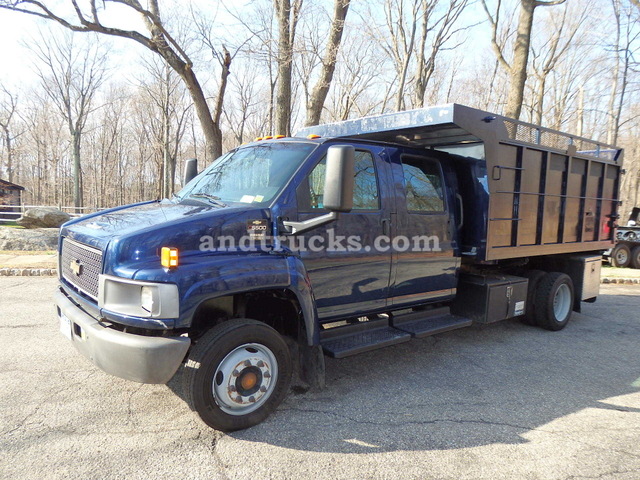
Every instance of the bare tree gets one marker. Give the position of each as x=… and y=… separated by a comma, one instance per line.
x=245, y=97
x=321, y=88
x=518, y=67
x=625, y=44
x=45, y=169
x=401, y=22
x=436, y=30
x=287, y=16
x=262, y=49
x=70, y=76
x=166, y=94
x=158, y=40
x=357, y=75
x=564, y=30
x=8, y=105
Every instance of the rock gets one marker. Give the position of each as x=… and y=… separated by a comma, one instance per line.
x=37, y=239
x=43, y=218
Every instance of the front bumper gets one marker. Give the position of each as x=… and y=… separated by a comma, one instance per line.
x=133, y=357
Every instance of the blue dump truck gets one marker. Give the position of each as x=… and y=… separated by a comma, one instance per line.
x=346, y=238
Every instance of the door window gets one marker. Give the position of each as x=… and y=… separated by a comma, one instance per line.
x=422, y=185
x=365, y=189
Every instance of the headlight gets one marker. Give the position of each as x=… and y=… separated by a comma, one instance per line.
x=137, y=298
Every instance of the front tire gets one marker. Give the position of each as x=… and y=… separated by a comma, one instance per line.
x=621, y=256
x=237, y=374
x=554, y=301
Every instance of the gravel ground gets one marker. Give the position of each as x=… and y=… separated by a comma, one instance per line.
x=499, y=401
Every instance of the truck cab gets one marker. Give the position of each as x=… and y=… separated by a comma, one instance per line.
x=347, y=238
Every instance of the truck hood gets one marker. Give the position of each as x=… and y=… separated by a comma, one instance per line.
x=97, y=229
x=132, y=234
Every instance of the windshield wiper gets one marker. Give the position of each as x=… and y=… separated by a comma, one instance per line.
x=212, y=198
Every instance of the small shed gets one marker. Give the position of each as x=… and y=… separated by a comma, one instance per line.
x=10, y=197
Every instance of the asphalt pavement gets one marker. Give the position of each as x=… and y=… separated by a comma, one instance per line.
x=487, y=402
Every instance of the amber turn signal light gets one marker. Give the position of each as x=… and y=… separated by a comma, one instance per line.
x=169, y=257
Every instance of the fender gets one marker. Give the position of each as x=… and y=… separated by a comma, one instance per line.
x=201, y=278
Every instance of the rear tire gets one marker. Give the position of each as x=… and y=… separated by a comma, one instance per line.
x=534, y=276
x=621, y=256
x=635, y=257
x=237, y=374
x=554, y=301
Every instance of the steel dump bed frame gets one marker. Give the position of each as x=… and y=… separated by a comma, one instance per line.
x=549, y=192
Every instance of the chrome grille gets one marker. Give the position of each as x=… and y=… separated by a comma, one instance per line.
x=80, y=266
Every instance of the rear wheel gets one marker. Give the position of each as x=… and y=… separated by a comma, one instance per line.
x=554, y=301
x=237, y=374
x=534, y=277
x=635, y=257
x=621, y=256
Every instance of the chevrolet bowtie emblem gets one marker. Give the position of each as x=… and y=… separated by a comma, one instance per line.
x=76, y=267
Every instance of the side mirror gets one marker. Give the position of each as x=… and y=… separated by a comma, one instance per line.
x=338, y=189
x=190, y=170
x=338, y=183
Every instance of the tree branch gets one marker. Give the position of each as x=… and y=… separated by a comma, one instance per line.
x=494, y=34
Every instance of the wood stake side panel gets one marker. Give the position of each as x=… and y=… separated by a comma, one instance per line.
x=545, y=202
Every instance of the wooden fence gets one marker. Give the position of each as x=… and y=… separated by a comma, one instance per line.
x=10, y=214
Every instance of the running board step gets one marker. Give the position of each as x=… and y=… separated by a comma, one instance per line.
x=422, y=324
x=339, y=342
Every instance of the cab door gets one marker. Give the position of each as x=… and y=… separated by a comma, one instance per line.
x=348, y=275
x=425, y=264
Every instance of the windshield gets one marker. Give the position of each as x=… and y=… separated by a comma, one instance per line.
x=248, y=175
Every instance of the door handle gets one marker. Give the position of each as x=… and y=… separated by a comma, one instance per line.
x=386, y=226
x=459, y=197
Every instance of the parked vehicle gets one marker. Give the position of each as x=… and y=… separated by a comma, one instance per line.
x=349, y=237
x=626, y=253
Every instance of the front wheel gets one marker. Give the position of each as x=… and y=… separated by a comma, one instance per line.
x=621, y=256
x=237, y=374
x=554, y=301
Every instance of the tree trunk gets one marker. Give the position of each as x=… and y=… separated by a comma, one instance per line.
x=7, y=140
x=76, y=138
x=210, y=130
x=285, y=53
x=518, y=74
x=421, y=84
x=321, y=89
x=217, y=113
x=168, y=163
x=580, y=127
x=539, y=107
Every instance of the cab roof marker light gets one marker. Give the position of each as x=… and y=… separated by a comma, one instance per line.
x=169, y=257
x=268, y=137
x=279, y=136
x=257, y=139
x=313, y=136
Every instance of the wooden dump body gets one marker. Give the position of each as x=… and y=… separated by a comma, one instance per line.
x=548, y=192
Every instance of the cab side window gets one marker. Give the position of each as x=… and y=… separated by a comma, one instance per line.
x=422, y=185
x=365, y=190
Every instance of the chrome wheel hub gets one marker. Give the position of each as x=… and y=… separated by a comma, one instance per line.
x=245, y=379
x=562, y=302
x=621, y=257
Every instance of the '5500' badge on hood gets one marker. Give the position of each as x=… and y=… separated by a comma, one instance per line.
x=257, y=229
